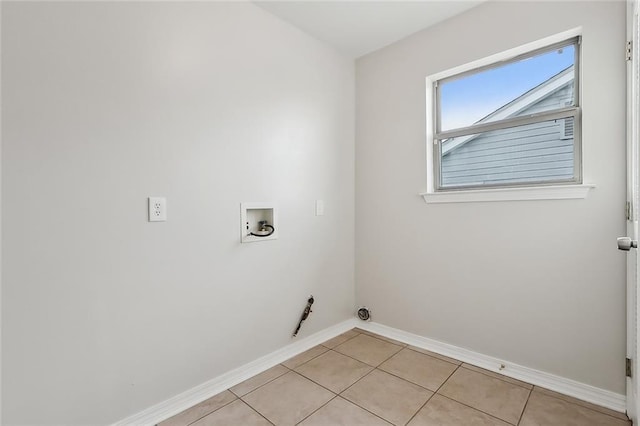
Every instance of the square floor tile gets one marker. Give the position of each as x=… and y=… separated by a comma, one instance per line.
x=334, y=371
x=418, y=368
x=442, y=411
x=368, y=349
x=546, y=410
x=200, y=410
x=493, y=396
x=338, y=340
x=236, y=413
x=387, y=396
x=305, y=356
x=259, y=380
x=340, y=412
x=288, y=399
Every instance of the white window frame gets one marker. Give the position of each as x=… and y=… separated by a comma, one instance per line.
x=526, y=191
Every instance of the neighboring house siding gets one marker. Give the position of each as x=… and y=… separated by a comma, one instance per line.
x=556, y=99
x=541, y=150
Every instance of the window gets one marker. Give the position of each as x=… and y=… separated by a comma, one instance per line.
x=509, y=123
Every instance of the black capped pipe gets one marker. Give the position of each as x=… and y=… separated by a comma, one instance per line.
x=305, y=315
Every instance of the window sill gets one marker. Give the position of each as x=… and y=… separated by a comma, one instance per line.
x=555, y=192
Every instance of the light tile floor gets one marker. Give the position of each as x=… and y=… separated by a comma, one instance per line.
x=359, y=378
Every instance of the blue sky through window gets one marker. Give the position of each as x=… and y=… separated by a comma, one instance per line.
x=466, y=100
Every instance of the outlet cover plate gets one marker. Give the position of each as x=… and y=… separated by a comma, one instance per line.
x=157, y=209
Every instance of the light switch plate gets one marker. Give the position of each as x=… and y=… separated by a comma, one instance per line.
x=157, y=209
x=319, y=208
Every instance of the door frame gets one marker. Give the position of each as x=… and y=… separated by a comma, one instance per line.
x=633, y=196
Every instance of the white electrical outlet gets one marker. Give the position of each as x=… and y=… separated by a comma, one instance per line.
x=157, y=209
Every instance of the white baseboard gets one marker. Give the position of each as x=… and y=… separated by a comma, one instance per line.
x=191, y=397
x=559, y=384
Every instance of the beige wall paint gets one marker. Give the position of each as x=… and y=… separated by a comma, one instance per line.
x=538, y=283
x=208, y=104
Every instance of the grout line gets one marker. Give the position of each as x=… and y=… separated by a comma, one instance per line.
x=374, y=366
x=525, y=407
x=341, y=392
x=368, y=411
x=304, y=377
x=264, y=384
x=447, y=379
x=354, y=383
x=421, y=407
x=385, y=339
x=407, y=380
x=372, y=370
x=259, y=413
x=469, y=406
x=309, y=360
x=458, y=363
x=418, y=384
x=434, y=393
x=313, y=381
x=317, y=409
x=211, y=412
x=349, y=356
x=358, y=405
x=476, y=409
x=499, y=374
x=342, y=343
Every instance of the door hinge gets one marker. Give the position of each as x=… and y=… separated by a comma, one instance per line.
x=627, y=365
x=629, y=50
x=629, y=210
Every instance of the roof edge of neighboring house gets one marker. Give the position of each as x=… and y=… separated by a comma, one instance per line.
x=517, y=105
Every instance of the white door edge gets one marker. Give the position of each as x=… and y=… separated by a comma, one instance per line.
x=633, y=107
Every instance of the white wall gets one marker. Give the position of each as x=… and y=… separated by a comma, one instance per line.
x=210, y=105
x=538, y=283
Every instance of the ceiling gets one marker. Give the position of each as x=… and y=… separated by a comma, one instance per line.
x=359, y=27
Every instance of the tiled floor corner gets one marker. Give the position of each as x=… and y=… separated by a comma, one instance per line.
x=359, y=378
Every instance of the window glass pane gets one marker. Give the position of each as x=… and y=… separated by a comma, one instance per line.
x=540, y=83
x=536, y=152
